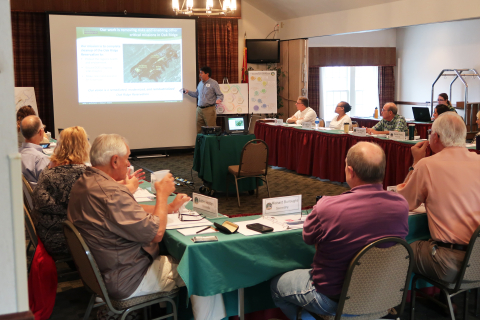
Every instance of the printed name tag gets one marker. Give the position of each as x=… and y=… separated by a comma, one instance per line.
x=395, y=135
x=282, y=205
x=207, y=85
x=361, y=132
x=306, y=125
x=204, y=203
x=278, y=122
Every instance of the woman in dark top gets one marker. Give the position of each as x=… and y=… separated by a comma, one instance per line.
x=439, y=109
x=443, y=99
x=52, y=193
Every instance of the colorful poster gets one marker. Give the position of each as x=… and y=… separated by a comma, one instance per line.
x=235, y=97
x=262, y=91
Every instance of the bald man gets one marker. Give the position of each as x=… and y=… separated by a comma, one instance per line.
x=33, y=158
x=339, y=227
x=391, y=121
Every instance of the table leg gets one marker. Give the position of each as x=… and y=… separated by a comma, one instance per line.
x=241, y=304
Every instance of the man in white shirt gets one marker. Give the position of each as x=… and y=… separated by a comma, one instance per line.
x=304, y=113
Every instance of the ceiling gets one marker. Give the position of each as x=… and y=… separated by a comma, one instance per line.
x=289, y=9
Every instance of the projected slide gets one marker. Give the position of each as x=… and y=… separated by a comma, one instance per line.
x=129, y=65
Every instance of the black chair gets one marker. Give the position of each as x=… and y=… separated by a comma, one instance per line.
x=253, y=164
x=468, y=278
x=377, y=280
x=93, y=281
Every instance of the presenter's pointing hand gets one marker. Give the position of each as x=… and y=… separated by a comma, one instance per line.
x=419, y=151
x=218, y=101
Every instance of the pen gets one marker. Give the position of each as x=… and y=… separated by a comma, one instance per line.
x=203, y=229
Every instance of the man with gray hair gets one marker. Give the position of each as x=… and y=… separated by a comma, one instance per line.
x=123, y=235
x=339, y=227
x=33, y=158
x=447, y=183
x=391, y=121
x=304, y=113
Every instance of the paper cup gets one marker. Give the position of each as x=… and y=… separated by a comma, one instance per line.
x=157, y=176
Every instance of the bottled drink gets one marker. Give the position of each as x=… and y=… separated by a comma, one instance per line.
x=317, y=123
x=375, y=114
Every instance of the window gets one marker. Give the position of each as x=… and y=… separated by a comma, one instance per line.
x=356, y=85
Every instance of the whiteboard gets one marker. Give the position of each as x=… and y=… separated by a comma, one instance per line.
x=235, y=98
x=262, y=89
x=25, y=96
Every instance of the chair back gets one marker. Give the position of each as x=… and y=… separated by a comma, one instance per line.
x=27, y=193
x=469, y=275
x=322, y=123
x=254, y=158
x=253, y=121
x=32, y=233
x=85, y=262
x=377, y=279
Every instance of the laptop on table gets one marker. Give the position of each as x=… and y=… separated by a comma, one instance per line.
x=421, y=114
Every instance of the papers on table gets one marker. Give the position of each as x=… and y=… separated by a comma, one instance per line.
x=185, y=220
x=193, y=231
x=278, y=223
x=420, y=209
x=468, y=145
x=142, y=195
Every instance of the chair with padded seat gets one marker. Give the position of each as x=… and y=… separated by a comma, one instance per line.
x=377, y=280
x=468, y=278
x=93, y=281
x=253, y=164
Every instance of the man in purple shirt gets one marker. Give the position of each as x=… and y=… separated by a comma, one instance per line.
x=339, y=227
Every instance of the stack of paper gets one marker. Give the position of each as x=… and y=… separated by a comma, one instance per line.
x=142, y=195
x=194, y=220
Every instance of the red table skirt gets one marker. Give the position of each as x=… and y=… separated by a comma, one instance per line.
x=322, y=154
x=421, y=127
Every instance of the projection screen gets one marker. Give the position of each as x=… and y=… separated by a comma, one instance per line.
x=124, y=75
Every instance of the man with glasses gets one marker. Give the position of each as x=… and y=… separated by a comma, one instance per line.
x=304, y=113
x=33, y=158
x=391, y=121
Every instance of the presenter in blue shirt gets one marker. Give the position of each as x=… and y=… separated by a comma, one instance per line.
x=208, y=94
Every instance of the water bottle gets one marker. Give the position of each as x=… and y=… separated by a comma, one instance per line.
x=317, y=122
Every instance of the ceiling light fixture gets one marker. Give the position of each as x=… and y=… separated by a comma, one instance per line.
x=226, y=6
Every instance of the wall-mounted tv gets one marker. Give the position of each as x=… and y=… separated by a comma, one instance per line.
x=263, y=50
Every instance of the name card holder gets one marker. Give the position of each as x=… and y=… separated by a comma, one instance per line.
x=278, y=122
x=282, y=205
x=207, y=206
x=307, y=125
x=398, y=136
x=361, y=132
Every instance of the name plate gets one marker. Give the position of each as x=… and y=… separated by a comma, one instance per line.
x=361, y=132
x=307, y=125
x=282, y=205
x=395, y=135
x=278, y=122
x=204, y=203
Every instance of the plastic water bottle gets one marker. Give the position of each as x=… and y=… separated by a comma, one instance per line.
x=317, y=123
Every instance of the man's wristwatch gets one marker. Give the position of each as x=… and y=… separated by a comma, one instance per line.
x=410, y=169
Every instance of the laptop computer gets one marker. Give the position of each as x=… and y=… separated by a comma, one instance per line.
x=421, y=114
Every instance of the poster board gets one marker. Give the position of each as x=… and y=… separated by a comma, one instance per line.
x=235, y=98
x=262, y=89
x=25, y=96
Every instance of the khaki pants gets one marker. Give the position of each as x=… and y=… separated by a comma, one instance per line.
x=206, y=117
x=444, y=265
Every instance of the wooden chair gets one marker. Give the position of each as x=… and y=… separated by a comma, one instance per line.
x=468, y=278
x=377, y=280
x=253, y=163
x=93, y=281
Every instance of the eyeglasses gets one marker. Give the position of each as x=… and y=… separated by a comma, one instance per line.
x=190, y=216
x=298, y=103
x=440, y=100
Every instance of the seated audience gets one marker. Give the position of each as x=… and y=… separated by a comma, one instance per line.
x=443, y=99
x=304, y=113
x=391, y=121
x=477, y=136
x=33, y=158
x=52, y=193
x=448, y=185
x=23, y=112
x=339, y=227
x=123, y=235
x=338, y=122
x=439, y=109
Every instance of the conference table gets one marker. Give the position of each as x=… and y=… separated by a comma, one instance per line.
x=368, y=122
x=322, y=153
x=241, y=267
x=212, y=156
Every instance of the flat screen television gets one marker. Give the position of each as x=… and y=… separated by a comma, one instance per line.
x=263, y=50
x=236, y=124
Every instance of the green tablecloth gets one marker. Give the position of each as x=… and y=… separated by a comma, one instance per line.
x=212, y=157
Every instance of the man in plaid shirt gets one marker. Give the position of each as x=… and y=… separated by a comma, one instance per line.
x=391, y=121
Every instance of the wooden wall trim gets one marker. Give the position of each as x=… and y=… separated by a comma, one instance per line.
x=352, y=56
x=154, y=7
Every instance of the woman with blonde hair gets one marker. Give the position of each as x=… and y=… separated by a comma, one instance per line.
x=52, y=193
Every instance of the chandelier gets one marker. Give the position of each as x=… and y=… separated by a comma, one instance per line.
x=227, y=6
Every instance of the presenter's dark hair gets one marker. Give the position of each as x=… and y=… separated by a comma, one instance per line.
x=365, y=169
x=441, y=108
x=445, y=97
x=206, y=69
x=303, y=100
x=346, y=106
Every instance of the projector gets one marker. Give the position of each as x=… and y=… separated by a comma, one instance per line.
x=211, y=130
